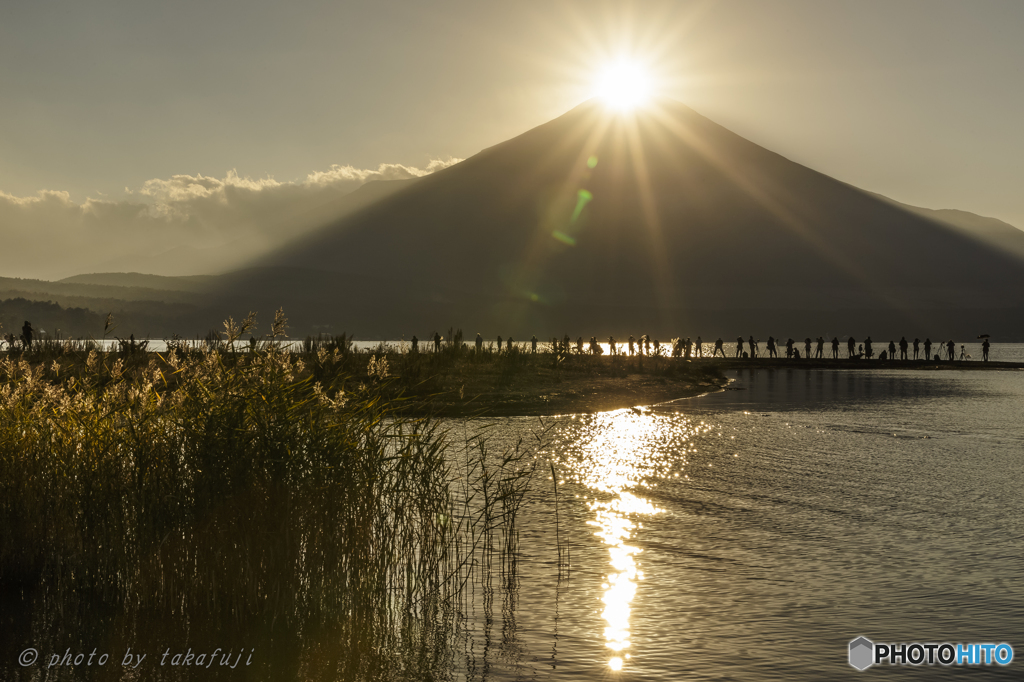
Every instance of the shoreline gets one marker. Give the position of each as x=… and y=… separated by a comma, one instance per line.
x=846, y=363
x=590, y=394
x=583, y=395
x=460, y=383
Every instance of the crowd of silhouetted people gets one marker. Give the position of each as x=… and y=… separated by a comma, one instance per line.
x=864, y=350
x=686, y=349
x=25, y=340
x=750, y=348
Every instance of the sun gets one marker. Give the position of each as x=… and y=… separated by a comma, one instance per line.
x=624, y=85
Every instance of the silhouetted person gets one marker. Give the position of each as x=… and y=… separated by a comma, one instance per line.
x=820, y=348
x=903, y=348
x=892, y=350
x=698, y=349
x=718, y=348
x=807, y=348
x=951, y=350
x=796, y=353
x=867, y=348
x=752, y=345
x=687, y=348
x=739, y=346
x=772, y=353
x=917, y=347
x=579, y=345
x=26, y=335
x=437, y=342
x=508, y=344
x=612, y=350
x=565, y=344
x=647, y=344
x=657, y=346
x=927, y=349
x=415, y=344
x=533, y=344
x=631, y=340
x=984, y=350
x=789, y=349
x=835, y=347
x=851, y=346
x=499, y=344
x=479, y=343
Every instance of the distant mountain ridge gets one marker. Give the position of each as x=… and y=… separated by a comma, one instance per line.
x=138, y=280
x=992, y=231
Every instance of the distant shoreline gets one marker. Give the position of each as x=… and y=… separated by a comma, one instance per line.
x=588, y=394
x=726, y=364
x=572, y=395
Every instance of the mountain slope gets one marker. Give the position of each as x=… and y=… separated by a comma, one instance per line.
x=991, y=231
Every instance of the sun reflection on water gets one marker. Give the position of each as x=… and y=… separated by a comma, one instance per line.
x=616, y=527
x=618, y=455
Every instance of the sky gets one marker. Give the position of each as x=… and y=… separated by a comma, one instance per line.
x=152, y=110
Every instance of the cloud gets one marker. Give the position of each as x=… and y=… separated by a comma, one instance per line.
x=179, y=225
x=386, y=171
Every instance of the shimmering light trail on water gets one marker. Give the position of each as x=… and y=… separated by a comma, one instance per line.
x=617, y=456
x=616, y=527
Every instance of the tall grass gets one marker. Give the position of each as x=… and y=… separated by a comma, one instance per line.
x=244, y=483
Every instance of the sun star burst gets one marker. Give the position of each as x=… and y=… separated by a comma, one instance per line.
x=624, y=85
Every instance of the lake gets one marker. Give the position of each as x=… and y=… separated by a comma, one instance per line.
x=752, y=533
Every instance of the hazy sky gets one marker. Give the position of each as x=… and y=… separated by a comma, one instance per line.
x=918, y=100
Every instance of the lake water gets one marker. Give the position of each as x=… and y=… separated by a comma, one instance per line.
x=752, y=533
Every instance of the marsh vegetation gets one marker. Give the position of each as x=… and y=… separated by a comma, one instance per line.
x=460, y=380
x=241, y=495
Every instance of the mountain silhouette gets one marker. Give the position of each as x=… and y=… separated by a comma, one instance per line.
x=659, y=222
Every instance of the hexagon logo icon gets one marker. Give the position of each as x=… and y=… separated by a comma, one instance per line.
x=862, y=652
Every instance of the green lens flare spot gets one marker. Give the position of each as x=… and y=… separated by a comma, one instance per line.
x=564, y=238
x=591, y=162
x=583, y=198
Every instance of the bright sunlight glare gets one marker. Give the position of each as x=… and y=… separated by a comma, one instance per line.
x=624, y=85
